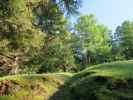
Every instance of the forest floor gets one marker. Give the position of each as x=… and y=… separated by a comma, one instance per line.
x=109, y=81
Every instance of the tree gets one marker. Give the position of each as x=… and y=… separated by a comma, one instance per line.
x=124, y=39
x=21, y=39
x=95, y=39
x=70, y=6
x=31, y=30
x=57, y=53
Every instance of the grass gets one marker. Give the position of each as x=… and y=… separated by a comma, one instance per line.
x=109, y=81
x=121, y=70
x=33, y=87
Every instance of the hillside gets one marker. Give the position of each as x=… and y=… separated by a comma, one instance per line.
x=31, y=87
x=110, y=81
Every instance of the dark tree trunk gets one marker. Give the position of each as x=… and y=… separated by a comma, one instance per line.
x=64, y=68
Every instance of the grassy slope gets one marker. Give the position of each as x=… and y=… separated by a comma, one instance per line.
x=121, y=70
x=112, y=81
x=32, y=87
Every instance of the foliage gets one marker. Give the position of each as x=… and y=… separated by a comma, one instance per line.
x=34, y=37
x=71, y=6
x=57, y=53
x=95, y=39
x=124, y=39
x=21, y=40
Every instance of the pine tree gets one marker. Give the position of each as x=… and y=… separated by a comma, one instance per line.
x=21, y=38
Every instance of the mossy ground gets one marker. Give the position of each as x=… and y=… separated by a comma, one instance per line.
x=31, y=87
x=110, y=81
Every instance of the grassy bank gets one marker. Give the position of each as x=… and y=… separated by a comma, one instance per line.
x=110, y=81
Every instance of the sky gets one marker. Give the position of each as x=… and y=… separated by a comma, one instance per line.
x=109, y=12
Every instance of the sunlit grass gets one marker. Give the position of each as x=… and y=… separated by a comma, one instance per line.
x=120, y=69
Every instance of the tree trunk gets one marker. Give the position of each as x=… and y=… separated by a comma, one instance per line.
x=64, y=68
x=15, y=66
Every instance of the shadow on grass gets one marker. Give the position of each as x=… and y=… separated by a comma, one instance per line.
x=66, y=91
x=85, y=86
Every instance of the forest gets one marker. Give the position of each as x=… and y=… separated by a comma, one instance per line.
x=45, y=55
